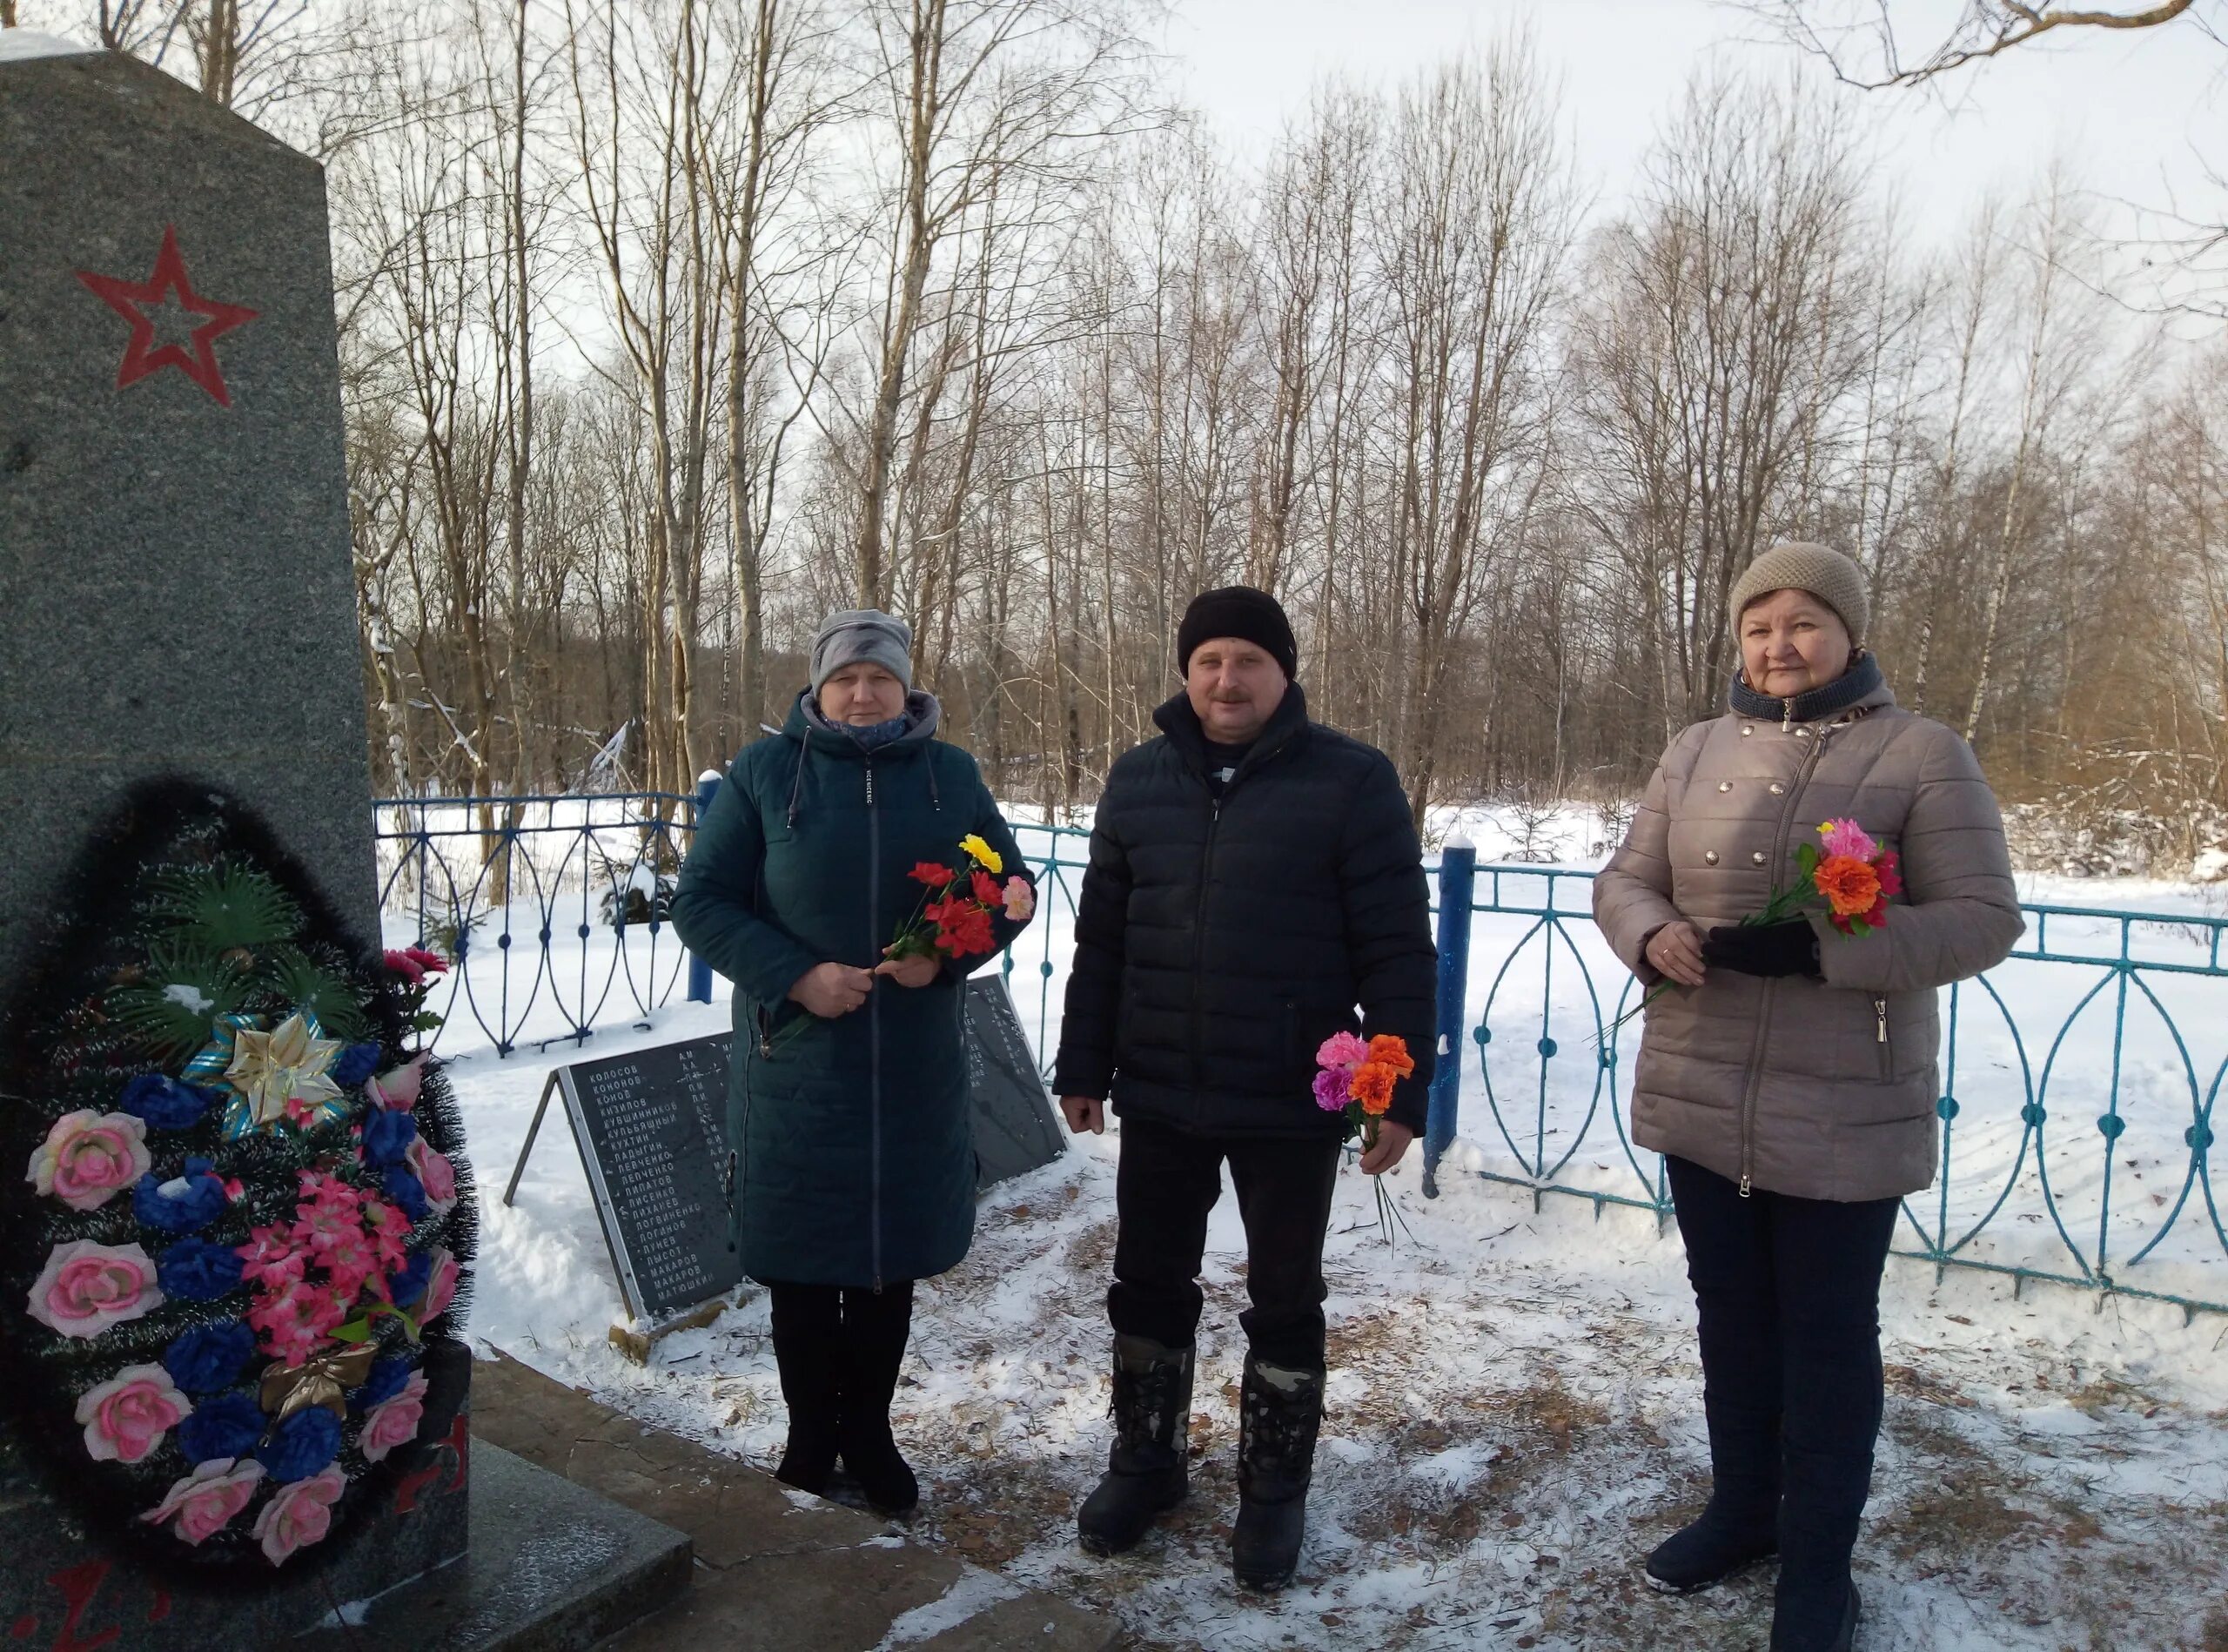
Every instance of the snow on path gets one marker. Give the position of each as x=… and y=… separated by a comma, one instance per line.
x=1514, y=1416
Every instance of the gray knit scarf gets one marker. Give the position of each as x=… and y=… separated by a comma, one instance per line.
x=1844, y=691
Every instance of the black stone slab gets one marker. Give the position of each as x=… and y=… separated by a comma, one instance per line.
x=61, y=1591
x=554, y=1568
x=1015, y=1129
x=649, y=1127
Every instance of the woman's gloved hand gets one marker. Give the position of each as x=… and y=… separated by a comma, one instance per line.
x=1768, y=949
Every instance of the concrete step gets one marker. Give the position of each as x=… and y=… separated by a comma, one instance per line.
x=774, y=1569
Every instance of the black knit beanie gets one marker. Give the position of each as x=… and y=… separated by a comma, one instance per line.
x=1238, y=611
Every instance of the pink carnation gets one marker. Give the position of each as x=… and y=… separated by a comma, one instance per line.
x=397, y=1092
x=89, y=1158
x=84, y=1287
x=434, y=1174
x=1330, y=1090
x=440, y=1287
x=1020, y=898
x=294, y=1321
x=1847, y=837
x=1341, y=1051
x=206, y=1500
x=127, y=1416
x=271, y=1257
x=394, y=1422
x=298, y=1513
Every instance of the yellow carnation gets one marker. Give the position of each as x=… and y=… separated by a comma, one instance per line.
x=982, y=854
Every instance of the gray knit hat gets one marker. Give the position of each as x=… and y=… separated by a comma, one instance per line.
x=1820, y=569
x=852, y=635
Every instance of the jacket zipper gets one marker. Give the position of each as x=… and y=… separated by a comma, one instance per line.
x=874, y=1021
x=1886, y=1050
x=1764, y=1012
x=1200, y=940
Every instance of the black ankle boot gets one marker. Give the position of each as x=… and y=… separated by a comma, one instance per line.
x=875, y=1327
x=1280, y=1412
x=1145, y=1473
x=808, y=1329
x=1740, y=1526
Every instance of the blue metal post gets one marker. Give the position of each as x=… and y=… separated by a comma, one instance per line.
x=1458, y=877
x=700, y=973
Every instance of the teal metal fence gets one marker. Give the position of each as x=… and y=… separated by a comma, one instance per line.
x=2081, y=1077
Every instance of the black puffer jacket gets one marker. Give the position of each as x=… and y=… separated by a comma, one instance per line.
x=1219, y=943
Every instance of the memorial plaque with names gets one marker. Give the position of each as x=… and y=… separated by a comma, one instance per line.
x=1015, y=1127
x=648, y=1127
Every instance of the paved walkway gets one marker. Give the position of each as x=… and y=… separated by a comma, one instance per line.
x=775, y=1570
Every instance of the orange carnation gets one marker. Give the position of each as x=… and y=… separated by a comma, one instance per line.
x=1372, y=1086
x=1387, y=1050
x=1851, y=885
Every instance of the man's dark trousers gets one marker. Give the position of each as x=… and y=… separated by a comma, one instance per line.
x=1167, y=1183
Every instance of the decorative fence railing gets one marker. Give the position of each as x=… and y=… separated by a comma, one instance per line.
x=2081, y=1079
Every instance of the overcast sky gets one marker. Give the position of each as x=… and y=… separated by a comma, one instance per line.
x=2132, y=109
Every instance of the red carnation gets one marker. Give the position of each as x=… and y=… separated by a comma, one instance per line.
x=986, y=888
x=930, y=873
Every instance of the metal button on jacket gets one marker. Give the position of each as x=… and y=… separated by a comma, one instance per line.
x=1709, y=857
x=1758, y=857
x=1777, y=788
x=1725, y=785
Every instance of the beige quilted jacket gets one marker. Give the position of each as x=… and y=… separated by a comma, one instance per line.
x=1820, y=1089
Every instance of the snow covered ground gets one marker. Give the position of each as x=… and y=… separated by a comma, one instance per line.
x=1515, y=1403
x=1515, y=1415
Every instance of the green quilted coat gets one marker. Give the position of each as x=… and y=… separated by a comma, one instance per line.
x=852, y=1149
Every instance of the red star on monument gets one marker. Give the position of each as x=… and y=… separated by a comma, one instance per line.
x=142, y=356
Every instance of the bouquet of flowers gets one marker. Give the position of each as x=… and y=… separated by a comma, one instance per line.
x=1846, y=873
x=1357, y=1078
x=953, y=918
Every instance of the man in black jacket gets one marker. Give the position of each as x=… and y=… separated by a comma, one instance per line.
x=1254, y=877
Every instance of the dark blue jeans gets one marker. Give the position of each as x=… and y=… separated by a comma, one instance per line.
x=1168, y=1181
x=1788, y=1295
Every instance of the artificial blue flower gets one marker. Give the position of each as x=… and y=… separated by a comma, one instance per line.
x=208, y=1360
x=227, y=1426
x=301, y=1446
x=407, y=1283
x=194, y=1270
x=387, y=1380
x=405, y=1192
x=164, y=1103
x=354, y=1064
x=185, y=1205
x=387, y=1136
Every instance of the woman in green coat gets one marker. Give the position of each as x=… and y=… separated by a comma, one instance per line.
x=851, y=1153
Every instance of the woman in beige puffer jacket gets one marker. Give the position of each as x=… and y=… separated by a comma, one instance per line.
x=1789, y=1071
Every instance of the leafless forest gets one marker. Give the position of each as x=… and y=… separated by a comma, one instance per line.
x=668, y=325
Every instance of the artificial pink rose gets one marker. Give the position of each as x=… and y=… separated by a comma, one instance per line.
x=435, y=1174
x=127, y=1416
x=394, y=1422
x=206, y=1500
x=398, y=1091
x=440, y=1285
x=297, y=1513
x=1020, y=898
x=89, y=1158
x=84, y=1287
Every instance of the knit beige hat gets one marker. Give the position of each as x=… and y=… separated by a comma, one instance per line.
x=1820, y=569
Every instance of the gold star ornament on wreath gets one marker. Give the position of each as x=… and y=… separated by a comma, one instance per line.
x=275, y=1076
